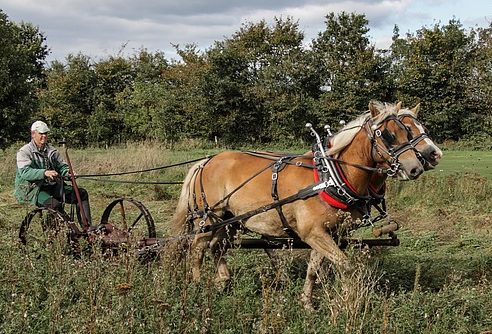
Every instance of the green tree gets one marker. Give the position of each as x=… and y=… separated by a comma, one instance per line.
x=433, y=67
x=22, y=55
x=351, y=71
x=113, y=76
x=259, y=83
x=138, y=103
x=69, y=99
x=478, y=88
x=285, y=82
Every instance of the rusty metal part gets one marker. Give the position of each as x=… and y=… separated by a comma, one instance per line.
x=385, y=229
x=109, y=235
x=42, y=225
x=149, y=249
x=128, y=227
x=49, y=223
x=83, y=214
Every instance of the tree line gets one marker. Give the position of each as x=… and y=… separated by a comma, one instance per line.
x=260, y=85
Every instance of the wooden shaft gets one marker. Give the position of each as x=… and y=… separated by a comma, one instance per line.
x=85, y=223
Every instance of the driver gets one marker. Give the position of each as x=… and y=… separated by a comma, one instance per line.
x=39, y=173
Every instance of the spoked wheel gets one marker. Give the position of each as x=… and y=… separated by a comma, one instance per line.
x=43, y=228
x=130, y=217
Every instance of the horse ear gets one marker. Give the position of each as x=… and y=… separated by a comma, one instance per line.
x=373, y=109
x=416, y=109
x=398, y=106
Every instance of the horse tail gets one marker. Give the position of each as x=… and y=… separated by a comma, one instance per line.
x=178, y=224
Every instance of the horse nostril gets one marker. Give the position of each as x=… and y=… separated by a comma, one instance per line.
x=415, y=172
x=433, y=155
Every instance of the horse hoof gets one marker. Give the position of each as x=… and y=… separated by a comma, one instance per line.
x=306, y=303
x=221, y=285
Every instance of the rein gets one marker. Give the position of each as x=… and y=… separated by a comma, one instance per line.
x=94, y=177
x=132, y=182
x=145, y=170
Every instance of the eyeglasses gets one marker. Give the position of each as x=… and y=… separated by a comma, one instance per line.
x=43, y=133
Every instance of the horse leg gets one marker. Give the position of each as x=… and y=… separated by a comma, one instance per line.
x=315, y=261
x=276, y=262
x=274, y=259
x=219, y=249
x=198, y=248
x=323, y=245
x=219, y=245
x=320, y=240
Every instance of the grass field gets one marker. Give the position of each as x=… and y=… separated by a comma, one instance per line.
x=439, y=280
x=479, y=162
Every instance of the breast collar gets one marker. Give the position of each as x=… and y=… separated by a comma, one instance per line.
x=340, y=193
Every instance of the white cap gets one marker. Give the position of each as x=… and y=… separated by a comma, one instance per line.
x=40, y=127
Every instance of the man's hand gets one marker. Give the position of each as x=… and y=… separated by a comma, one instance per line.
x=51, y=174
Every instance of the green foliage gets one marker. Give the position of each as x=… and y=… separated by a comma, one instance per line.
x=478, y=123
x=434, y=67
x=136, y=103
x=260, y=83
x=351, y=71
x=22, y=55
x=113, y=76
x=69, y=99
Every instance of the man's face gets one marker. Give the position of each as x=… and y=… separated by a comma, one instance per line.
x=40, y=139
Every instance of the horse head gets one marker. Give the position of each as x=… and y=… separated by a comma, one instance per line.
x=392, y=141
x=427, y=150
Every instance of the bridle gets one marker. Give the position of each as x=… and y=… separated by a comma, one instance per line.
x=417, y=139
x=387, y=139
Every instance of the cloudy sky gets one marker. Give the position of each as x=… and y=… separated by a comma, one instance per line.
x=100, y=28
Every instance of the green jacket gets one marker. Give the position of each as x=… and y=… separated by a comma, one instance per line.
x=31, y=165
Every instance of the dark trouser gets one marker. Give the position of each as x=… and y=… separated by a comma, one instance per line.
x=52, y=197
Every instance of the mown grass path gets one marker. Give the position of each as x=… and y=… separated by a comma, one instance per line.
x=479, y=162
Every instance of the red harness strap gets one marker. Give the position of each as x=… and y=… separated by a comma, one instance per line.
x=327, y=198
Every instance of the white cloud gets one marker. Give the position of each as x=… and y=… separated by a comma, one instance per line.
x=99, y=28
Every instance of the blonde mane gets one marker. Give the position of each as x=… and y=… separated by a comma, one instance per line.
x=347, y=134
x=406, y=111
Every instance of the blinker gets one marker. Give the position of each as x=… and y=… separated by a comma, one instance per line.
x=388, y=136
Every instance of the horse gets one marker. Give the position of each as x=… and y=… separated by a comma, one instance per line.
x=233, y=184
x=429, y=155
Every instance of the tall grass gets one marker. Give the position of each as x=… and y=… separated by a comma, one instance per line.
x=437, y=281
